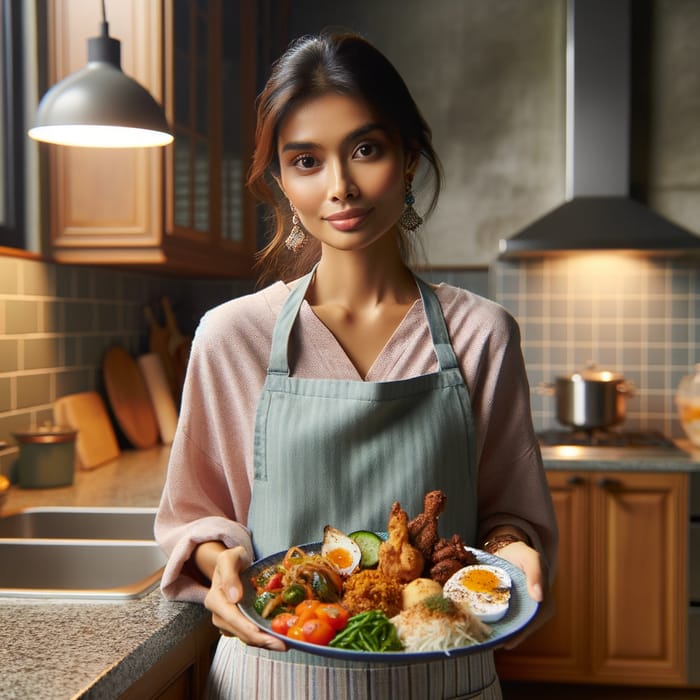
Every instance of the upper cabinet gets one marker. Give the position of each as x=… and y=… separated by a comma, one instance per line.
x=183, y=208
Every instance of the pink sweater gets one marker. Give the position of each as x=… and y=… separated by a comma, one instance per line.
x=207, y=491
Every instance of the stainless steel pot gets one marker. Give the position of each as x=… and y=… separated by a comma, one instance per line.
x=591, y=398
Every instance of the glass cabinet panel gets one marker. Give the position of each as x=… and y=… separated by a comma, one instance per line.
x=232, y=171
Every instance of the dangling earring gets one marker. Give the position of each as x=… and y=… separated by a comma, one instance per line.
x=297, y=238
x=410, y=219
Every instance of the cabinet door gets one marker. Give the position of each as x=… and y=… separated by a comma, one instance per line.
x=639, y=574
x=106, y=204
x=559, y=649
x=211, y=66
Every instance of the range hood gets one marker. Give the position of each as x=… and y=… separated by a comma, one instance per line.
x=598, y=213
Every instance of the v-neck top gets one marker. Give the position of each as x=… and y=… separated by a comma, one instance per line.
x=208, y=487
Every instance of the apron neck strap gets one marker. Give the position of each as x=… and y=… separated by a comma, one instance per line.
x=438, y=328
x=279, y=361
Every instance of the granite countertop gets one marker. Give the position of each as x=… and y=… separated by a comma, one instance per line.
x=91, y=649
x=57, y=649
x=685, y=458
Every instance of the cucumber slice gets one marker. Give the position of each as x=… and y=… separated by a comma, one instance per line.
x=368, y=542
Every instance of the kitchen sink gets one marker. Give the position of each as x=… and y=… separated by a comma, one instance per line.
x=51, y=568
x=80, y=552
x=79, y=523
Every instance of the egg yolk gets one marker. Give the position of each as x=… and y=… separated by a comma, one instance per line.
x=340, y=557
x=480, y=580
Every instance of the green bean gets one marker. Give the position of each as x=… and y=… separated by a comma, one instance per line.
x=368, y=631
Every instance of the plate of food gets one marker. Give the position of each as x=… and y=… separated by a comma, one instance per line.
x=343, y=597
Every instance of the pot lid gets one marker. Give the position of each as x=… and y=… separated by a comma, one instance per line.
x=46, y=434
x=592, y=373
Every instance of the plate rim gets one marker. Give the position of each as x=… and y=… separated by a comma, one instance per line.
x=518, y=582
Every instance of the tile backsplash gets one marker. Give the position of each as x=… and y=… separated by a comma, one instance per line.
x=633, y=315
x=56, y=322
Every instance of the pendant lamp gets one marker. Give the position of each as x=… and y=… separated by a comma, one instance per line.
x=99, y=105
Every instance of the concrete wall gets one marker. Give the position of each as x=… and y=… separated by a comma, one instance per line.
x=673, y=172
x=489, y=78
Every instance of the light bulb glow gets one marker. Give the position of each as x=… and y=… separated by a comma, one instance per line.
x=100, y=136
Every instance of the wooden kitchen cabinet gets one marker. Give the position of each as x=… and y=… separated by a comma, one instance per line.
x=621, y=589
x=182, y=673
x=183, y=208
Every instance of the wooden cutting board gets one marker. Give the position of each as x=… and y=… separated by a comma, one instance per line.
x=96, y=442
x=129, y=398
x=158, y=341
x=162, y=399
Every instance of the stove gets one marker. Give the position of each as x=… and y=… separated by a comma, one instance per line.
x=606, y=438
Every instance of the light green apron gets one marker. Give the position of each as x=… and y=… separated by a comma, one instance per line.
x=340, y=453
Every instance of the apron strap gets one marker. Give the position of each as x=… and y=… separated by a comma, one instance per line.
x=438, y=329
x=279, y=361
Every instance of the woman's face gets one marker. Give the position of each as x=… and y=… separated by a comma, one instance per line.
x=344, y=174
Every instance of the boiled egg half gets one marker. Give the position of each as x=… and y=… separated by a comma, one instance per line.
x=340, y=550
x=485, y=588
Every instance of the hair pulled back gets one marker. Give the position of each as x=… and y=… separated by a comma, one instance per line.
x=313, y=66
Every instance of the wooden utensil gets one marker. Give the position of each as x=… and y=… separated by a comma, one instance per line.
x=178, y=346
x=158, y=343
x=129, y=398
x=96, y=442
x=161, y=396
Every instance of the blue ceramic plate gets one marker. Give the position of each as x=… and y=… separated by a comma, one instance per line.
x=520, y=612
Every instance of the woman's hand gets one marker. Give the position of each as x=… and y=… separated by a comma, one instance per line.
x=530, y=562
x=225, y=591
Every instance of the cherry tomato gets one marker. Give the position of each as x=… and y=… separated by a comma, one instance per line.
x=274, y=582
x=306, y=609
x=296, y=632
x=307, y=605
x=334, y=614
x=282, y=622
x=317, y=631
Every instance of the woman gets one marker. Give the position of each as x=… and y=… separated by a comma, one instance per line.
x=324, y=398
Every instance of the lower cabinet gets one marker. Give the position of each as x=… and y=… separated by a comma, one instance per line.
x=621, y=590
x=182, y=673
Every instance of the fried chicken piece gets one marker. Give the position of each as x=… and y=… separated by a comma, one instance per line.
x=398, y=558
x=423, y=529
x=448, y=557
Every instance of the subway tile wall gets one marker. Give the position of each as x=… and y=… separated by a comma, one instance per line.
x=57, y=321
x=637, y=316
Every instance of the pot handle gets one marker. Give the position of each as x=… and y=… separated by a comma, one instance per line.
x=545, y=389
x=628, y=388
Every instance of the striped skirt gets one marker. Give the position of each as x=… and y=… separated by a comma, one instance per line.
x=249, y=673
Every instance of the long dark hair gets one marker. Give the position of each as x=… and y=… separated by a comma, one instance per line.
x=312, y=66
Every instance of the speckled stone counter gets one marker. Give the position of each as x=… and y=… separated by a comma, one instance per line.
x=685, y=459
x=81, y=649
x=52, y=649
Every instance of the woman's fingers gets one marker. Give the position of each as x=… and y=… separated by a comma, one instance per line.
x=225, y=592
x=530, y=562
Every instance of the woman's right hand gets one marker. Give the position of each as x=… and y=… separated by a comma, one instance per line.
x=225, y=591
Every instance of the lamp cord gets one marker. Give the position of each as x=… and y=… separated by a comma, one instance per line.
x=104, y=26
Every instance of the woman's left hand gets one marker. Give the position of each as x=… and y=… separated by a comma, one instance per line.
x=531, y=563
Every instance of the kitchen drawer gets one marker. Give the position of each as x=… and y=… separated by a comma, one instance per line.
x=694, y=563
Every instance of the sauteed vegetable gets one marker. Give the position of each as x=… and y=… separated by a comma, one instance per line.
x=300, y=576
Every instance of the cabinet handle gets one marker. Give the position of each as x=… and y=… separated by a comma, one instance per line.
x=575, y=480
x=609, y=484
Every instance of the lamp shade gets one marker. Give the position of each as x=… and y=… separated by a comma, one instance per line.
x=100, y=106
